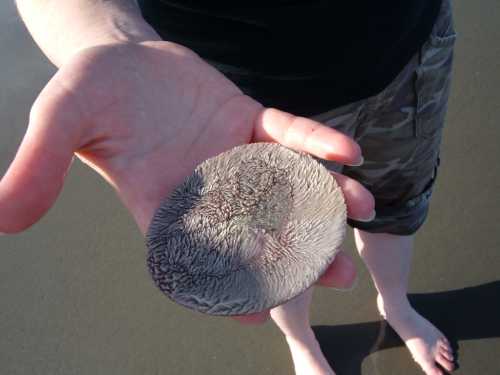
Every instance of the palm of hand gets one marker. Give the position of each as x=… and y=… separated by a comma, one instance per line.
x=143, y=116
x=153, y=116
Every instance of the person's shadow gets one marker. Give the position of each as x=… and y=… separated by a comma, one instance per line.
x=464, y=314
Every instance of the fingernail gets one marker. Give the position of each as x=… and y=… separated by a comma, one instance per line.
x=350, y=289
x=371, y=218
x=359, y=163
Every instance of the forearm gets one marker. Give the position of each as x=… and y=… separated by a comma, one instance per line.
x=62, y=28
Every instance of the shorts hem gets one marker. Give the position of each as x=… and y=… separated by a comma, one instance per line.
x=403, y=220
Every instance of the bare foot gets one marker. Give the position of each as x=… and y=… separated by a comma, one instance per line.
x=426, y=343
x=307, y=356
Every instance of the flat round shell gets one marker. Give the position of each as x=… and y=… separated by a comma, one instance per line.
x=249, y=230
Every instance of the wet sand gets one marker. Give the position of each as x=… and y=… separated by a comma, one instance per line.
x=76, y=297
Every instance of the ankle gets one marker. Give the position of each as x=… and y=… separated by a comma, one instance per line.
x=305, y=339
x=393, y=305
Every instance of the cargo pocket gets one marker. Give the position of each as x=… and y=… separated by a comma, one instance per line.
x=433, y=75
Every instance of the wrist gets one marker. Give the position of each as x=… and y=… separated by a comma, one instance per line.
x=63, y=28
x=111, y=29
x=119, y=28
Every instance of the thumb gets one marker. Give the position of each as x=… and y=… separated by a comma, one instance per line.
x=36, y=175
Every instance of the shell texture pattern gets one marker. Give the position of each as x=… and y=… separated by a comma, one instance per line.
x=248, y=230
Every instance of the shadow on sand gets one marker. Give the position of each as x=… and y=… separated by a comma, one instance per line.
x=464, y=314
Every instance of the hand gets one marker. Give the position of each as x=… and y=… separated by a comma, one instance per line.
x=143, y=116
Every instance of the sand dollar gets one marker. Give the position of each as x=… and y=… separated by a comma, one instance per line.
x=250, y=229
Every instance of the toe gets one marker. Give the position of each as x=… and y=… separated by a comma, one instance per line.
x=432, y=370
x=445, y=345
x=429, y=367
x=446, y=354
x=444, y=342
x=444, y=362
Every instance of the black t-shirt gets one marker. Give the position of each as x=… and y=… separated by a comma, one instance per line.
x=303, y=56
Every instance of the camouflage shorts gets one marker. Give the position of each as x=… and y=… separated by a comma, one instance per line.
x=399, y=131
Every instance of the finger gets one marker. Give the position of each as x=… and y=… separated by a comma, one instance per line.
x=340, y=274
x=35, y=177
x=360, y=202
x=252, y=319
x=303, y=134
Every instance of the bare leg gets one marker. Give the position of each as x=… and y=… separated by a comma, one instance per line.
x=292, y=319
x=388, y=259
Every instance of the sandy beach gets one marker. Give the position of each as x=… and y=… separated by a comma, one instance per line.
x=76, y=297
